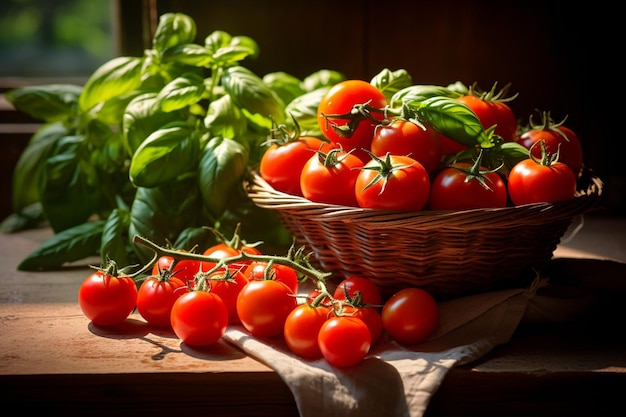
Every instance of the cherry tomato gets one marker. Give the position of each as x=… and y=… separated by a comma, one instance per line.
x=183, y=269
x=369, y=292
x=530, y=181
x=106, y=298
x=330, y=178
x=450, y=146
x=561, y=139
x=302, y=327
x=396, y=182
x=493, y=112
x=157, y=295
x=223, y=250
x=340, y=100
x=344, y=340
x=370, y=316
x=258, y=270
x=227, y=283
x=279, y=163
x=402, y=137
x=199, y=318
x=410, y=316
x=263, y=307
x=455, y=189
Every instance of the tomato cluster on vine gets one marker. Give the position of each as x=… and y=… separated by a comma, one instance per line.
x=421, y=154
x=199, y=295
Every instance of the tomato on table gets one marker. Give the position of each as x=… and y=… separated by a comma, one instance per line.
x=223, y=251
x=370, y=315
x=356, y=286
x=302, y=327
x=344, y=341
x=351, y=130
x=260, y=270
x=227, y=283
x=199, y=318
x=157, y=295
x=183, y=269
x=410, y=316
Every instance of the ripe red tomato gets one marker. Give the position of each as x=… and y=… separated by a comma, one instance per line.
x=455, y=189
x=258, y=270
x=493, y=112
x=330, y=178
x=402, y=137
x=107, y=299
x=451, y=146
x=340, y=100
x=157, y=295
x=302, y=327
x=199, y=318
x=344, y=340
x=280, y=163
x=561, y=139
x=183, y=269
x=532, y=182
x=223, y=251
x=370, y=316
x=410, y=316
x=353, y=285
x=263, y=307
x=228, y=283
x=396, y=183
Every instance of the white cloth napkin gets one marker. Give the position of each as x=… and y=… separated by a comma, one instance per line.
x=395, y=380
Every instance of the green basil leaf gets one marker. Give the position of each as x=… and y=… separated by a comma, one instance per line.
x=222, y=167
x=114, y=78
x=322, y=78
x=161, y=213
x=224, y=118
x=231, y=55
x=28, y=169
x=141, y=118
x=181, y=92
x=50, y=103
x=418, y=93
x=173, y=29
x=112, y=110
x=304, y=110
x=454, y=120
x=216, y=40
x=165, y=155
x=191, y=237
x=249, y=92
x=189, y=54
x=115, y=243
x=69, y=245
x=391, y=82
x=286, y=86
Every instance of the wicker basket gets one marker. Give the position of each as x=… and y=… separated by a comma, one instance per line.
x=446, y=253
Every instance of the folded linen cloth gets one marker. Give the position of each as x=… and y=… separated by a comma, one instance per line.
x=395, y=380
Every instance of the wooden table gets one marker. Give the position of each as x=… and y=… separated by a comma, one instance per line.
x=53, y=361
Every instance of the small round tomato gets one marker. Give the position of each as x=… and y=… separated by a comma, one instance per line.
x=258, y=270
x=493, y=111
x=530, y=181
x=450, y=146
x=157, y=295
x=263, y=307
x=183, y=269
x=330, y=178
x=559, y=139
x=228, y=283
x=344, y=340
x=337, y=121
x=396, y=182
x=402, y=137
x=365, y=288
x=410, y=316
x=302, y=327
x=281, y=163
x=106, y=298
x=199, y=318
x=370, y=316
x=223, y=251
x=460, y=187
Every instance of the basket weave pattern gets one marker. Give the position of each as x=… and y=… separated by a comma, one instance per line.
x=446, y=253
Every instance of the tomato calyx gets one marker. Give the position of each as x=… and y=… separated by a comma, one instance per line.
x=548, y=124
x=358, y=114
x=332, y=157
x=384, y=170
x=493, y=94
x=474, y=172
x=235, y=242
x=547, y=159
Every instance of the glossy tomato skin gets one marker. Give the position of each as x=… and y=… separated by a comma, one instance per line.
x=339, y=100
x=531, y=182
x=283, y=273
x=227, y=284
x=371, y=317
x=199, y=318
x=402, y=137
x=223, y=251
x=567, y=144
x=344, y=341
x=107, y=300
x=263, y=307
x=410, y=316
x=302, y=327
x=450, y=146
x=183, y=269
x=369, y=292
x=450, y=191
x=156, y=296
x=333, y=183
x=490, y=113
x=281, y=164
x=404, y=189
